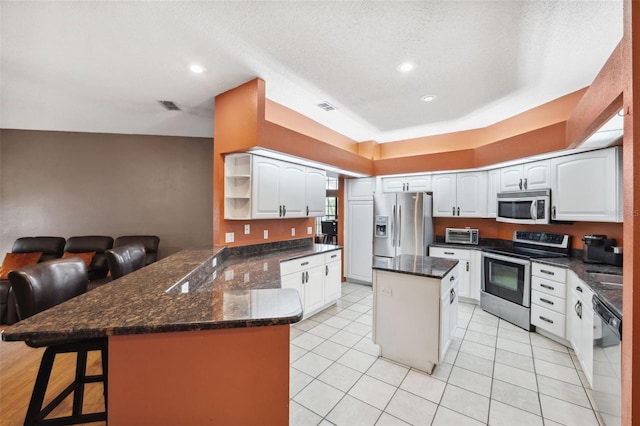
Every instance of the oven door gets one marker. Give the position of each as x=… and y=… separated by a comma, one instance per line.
x=507, y=277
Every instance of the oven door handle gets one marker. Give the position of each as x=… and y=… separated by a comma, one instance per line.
x=524, y=262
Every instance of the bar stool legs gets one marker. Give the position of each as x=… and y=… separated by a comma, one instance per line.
x=36, y=414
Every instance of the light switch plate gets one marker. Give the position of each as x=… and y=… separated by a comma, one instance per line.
x=247, y=229
x=228, y=237
x=293, y=232
x=266, y=234
x=309, y=230
x=214, y=262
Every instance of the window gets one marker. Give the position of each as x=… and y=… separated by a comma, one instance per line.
x=330, y=204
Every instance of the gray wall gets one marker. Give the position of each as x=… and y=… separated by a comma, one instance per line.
x=68, y=184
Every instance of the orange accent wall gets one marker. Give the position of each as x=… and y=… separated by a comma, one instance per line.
x=489, y=228
x=426, y=163
x=236, y=376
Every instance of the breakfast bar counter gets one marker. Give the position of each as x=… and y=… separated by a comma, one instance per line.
x=193, y=338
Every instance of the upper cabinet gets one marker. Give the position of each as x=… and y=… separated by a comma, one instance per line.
x=460, y=194
x=263, y=188
x=414, y=183
x=493, y=187
x=361, y=189
x=587, y=186
x=528, y=176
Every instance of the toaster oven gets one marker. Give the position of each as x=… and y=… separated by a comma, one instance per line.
x=461, y=236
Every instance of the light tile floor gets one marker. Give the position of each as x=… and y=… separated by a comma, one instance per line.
x=495, y=373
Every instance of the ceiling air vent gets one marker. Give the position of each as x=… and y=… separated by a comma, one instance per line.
x=169, y=105
x=327, y=106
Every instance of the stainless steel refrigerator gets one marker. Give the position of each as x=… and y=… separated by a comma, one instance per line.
x=402, y=224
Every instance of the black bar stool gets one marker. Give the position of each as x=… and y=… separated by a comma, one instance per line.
x=36, y=289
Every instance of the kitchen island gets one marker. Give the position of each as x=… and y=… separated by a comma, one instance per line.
x=415, y=308
x=199, y=337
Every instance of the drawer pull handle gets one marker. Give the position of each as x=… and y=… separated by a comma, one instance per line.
x=453, y=277
x=544, y=271
x=547, y=301
x=304, y=263
x=578, y=288
x=548, y=287
x=335, y=255
x=449, y=252
x=545, y=319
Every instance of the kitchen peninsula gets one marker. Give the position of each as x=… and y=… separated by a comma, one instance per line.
x=199, y=337
x=415, y=308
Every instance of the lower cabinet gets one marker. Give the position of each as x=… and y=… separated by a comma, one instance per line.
x=548, y=298
x=469, y=269
x=580, y=323
x=317, y=278
x=449, y=317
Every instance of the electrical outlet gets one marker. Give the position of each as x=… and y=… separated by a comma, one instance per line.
x=228, y=275
x=247, y=229
x=387, y=291
x=293, y=232
x=265, y=266
x=228, y=237
x=184, y=288
x=266, y=234
x=246, y=277
x=309, y=230
x=214, y=262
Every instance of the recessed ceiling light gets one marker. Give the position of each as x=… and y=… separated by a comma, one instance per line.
x=428, y=98
x=196, y=68
x=406, y=67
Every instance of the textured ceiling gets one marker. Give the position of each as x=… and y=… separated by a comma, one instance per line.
x=101, y=66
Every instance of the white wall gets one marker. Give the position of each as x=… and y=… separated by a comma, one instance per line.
x=67, y=184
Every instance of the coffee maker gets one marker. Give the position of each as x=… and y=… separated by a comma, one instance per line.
x=599, y=249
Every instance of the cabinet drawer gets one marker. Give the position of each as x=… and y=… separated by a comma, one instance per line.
x=553, y=273
x=449, y=280
x=548, y=301
x=301, y=264
x=450, y=253
x=548, y=320
x=333, y=256
x=553, y=288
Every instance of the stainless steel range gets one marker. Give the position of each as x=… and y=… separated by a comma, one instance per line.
x=506, y=273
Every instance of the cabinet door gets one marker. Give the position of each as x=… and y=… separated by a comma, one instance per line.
x=393, y=184
x=511, y=178
x=359, y=240
x=293, y=190
x=537, y=175
x=574, y=324
x=418, y=183
x=463, y=279
x=316, y=192
x=493, y=187
x=586, y=186
x=332, y=282
x=294, y=281
x=453, y=310
x=475, y=275
x=471, y=194
x=360, y=189
x=314, y=289
x=265, y=188
x=444, y=195
x=586, y=352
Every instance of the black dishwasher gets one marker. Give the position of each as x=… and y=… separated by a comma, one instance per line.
x=607, y=344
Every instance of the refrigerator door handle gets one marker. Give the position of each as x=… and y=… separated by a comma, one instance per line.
x=399, y=223
x=393, y=227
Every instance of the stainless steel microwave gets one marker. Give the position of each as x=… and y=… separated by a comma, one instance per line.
x=530, y=207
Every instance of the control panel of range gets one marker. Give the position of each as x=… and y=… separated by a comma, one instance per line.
x=548, y=239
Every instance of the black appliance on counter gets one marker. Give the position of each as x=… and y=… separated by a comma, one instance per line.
x=599, y=249
x=506, y=273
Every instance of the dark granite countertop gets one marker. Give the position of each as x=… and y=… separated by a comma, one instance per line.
x=611, y=295
x=432, y=267
x=242, y=290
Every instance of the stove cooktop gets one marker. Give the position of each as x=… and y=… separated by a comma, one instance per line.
x=536, y=245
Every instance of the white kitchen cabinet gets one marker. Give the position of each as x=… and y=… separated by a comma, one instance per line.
x=475, y=277
x=493, y=187
x=424, y=310
x=548, y=298
x=317, y=278
x=415, y=183
x=580, y=323
x=464, y=268
x=315, y=191
x=360, y=189
x=527, y=176
x=263, y=188
x=359, y=240
x=460, y=194
x=587, y=186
